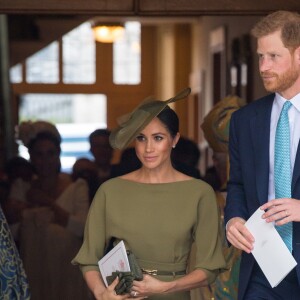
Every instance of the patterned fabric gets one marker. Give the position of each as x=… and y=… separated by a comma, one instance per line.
x=282, y=168
x=13, y=281
x=226, y=284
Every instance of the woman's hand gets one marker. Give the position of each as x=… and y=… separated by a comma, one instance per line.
x=148, y=286
x=109, y=292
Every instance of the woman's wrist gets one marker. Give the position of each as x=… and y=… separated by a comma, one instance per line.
x=168, y=286
x=98, y=292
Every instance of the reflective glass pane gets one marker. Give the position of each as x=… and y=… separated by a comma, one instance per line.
x=43, y=66
x=79, y=55
x=63, y=108
x=127, y=56
x=15, y=74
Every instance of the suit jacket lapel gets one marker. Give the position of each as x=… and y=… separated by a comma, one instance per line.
x=260, y=132
x=296, y=172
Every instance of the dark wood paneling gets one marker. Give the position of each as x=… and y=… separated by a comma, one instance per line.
x=148, y=7
x=207, y=7
x=103, y=7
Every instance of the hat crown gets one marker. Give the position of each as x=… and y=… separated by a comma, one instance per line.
x=216, y=123
x=131, y=124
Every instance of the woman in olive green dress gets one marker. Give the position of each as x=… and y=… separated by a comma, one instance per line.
x=157, y=211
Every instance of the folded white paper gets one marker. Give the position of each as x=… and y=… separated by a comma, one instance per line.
x=115, y=260
x=270, y=251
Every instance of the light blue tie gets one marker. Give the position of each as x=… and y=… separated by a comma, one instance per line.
x=282, y=169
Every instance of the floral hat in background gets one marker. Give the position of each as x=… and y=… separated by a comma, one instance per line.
x=26, y=131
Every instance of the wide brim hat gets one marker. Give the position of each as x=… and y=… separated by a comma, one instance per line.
x=216, y=123
x=130, y=125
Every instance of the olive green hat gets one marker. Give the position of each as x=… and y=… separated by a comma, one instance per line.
x=216, y=123
x=130, y=125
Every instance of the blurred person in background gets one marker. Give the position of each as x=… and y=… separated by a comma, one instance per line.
x=186, y=156
x=102, y=153
x=87, y=170
x=19, y=174
x=52, y=220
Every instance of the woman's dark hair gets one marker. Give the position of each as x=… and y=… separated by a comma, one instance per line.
x=15, y=162
x=170, y=119
x=45, y=135
x=99, y=132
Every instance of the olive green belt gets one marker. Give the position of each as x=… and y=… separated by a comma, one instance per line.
x=163, y=269
x=163, y=273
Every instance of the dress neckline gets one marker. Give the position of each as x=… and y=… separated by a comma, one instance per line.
x=158, y=183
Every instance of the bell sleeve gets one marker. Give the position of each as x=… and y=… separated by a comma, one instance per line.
x=94, y=235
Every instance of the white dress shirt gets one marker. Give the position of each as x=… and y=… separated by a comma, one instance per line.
x=294, y=120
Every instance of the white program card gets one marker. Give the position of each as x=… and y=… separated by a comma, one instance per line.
x=270, y=251
x=115, y=260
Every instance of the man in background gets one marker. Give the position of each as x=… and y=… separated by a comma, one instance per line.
x=102, y=152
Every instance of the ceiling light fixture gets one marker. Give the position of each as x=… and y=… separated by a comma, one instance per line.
x=108, y=32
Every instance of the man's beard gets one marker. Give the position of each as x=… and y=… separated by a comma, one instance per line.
x=280, y=83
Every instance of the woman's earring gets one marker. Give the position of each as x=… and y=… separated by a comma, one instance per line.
x=173, y=146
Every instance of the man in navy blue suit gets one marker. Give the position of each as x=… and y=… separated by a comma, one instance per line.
x=251, y=147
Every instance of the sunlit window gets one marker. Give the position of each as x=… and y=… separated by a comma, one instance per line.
x=43, y=66
x=73, y=116
x=78, y=59
x=79, y=55
x=127, y=56
x=15, y=74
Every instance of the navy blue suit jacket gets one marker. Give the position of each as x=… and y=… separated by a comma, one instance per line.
x=249, y=173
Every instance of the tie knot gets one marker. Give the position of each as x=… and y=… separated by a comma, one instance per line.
x=286, y=106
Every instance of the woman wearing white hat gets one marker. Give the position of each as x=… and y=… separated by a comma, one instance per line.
x=51, y=219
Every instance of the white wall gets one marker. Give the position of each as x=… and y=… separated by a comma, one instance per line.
x=234, y=27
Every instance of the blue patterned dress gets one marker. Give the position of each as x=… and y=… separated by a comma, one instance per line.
x=13, y=281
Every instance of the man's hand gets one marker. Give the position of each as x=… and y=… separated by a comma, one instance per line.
x=238, y=235
x=282, y=211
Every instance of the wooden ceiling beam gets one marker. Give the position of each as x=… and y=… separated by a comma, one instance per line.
x=93, y=7
x=147, y=7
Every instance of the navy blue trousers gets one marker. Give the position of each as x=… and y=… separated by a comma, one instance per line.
x=260, y=289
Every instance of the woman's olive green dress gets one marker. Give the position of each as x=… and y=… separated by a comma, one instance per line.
x=159, y=223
